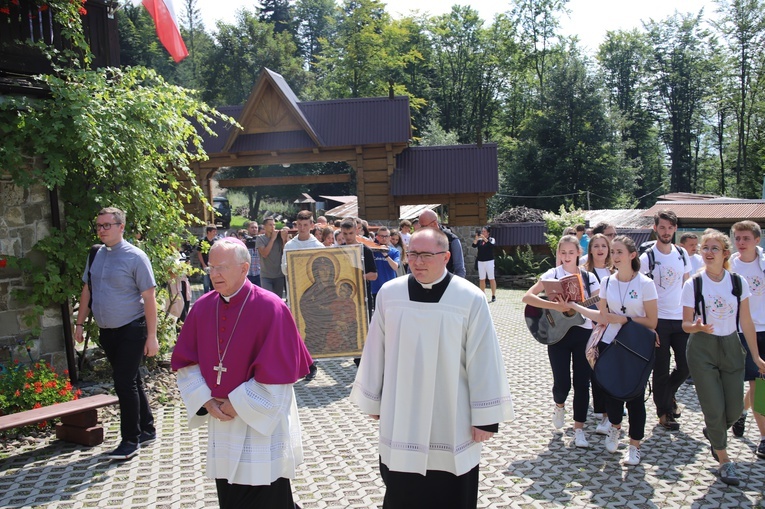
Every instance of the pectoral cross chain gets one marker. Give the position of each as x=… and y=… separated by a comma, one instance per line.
x=220, y=369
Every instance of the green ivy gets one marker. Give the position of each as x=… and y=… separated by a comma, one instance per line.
x=109, y=137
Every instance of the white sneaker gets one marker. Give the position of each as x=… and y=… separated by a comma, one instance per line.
x=580, y=439
x=603, y=426
x=558, y=418
x=612, y=440
x=632, y=456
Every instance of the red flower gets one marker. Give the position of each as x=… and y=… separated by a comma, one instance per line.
x=83, y=11
x=29, y=374
x=43, y=425
x=4, y=10
x=17, y=393
x=68, y=386
x=43, y=8
x=37, y=405
x=51, y=385
x=15, y=2
x=26, y=386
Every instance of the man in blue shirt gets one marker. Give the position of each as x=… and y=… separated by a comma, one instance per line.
x=386, y=261
x=119, y=288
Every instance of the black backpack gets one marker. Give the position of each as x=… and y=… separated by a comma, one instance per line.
x=92, y=256
x=699, y=305
x=648, y=249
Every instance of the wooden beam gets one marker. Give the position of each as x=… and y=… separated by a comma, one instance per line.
x=285, y=181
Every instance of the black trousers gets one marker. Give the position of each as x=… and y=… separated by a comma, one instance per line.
x=124, y=347
x=666, y=383
x=277, y=495
x=435, y=490
x=568, y=352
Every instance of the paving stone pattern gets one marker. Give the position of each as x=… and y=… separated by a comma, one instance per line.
x=527, y=465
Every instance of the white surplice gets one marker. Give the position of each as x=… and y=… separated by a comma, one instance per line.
x=258, y=446
x=432, y=371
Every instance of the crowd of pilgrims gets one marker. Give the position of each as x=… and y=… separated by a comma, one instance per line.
x=711, y=349
x=716, y=332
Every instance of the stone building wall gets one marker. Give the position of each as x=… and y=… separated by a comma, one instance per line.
x=25, y=218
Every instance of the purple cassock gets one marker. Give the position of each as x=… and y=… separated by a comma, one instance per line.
x=266, y=344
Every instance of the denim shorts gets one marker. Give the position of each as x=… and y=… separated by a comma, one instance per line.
x=751, y=372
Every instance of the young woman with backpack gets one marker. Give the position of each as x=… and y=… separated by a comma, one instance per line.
x=714, y=302
x=626, y=295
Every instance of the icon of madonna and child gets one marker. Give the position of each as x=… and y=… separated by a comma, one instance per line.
x=328, y=299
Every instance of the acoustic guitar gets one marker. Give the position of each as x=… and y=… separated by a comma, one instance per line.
x=548, y=326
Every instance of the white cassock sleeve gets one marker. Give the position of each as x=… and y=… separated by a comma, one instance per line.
x=367, y=388
x=490, y=398
x=261, y=406
x=194, y=392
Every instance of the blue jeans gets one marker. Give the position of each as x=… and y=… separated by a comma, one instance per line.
x=273, y=284
x=124, y=347
x=206, y=283
x=254, y=279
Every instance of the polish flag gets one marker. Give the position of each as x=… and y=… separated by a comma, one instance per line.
x=168, y=31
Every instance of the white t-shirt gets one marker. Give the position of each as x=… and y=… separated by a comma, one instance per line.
x=558, y=273
x=719, y=301
x=601, y=273
x=697, y=263
x=668, y=277
x=755, y=277
x=632, y=295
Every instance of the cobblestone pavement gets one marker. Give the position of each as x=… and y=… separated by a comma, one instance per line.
x=527, y=465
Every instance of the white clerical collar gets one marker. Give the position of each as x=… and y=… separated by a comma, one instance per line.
x=429, y=286
x=228, y=299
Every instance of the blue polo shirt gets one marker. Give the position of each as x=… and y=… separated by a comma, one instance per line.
x=119, y=275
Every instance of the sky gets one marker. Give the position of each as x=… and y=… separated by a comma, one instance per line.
x=589, y=19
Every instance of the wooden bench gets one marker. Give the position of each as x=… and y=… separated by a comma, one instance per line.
x=79, y=419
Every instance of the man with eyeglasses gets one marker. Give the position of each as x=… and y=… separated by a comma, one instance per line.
x=669, y=266
x=437, y=385
x=456, y=263
x=386, y=261
x=237, y=357
x=119, y=288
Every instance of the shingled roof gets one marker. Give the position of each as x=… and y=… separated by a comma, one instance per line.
x=315, y=124
x=445, y=170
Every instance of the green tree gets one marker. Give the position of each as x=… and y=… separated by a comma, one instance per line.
x=538, y=25
x=316, y=22
x=106, y=137
x=240, y=52
x=680, y=67
x=369, y=54
x=568, y=148
x=623, y=58
x=742, y=25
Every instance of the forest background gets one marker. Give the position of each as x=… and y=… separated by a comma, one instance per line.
x=676, y=106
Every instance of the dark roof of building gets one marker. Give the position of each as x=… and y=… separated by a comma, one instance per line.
x=443, y=170
x=337, y=123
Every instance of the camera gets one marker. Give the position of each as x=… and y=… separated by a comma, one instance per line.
x=249, y=241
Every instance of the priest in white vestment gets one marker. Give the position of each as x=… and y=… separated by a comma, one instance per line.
x=237, y=356
x=433, y=374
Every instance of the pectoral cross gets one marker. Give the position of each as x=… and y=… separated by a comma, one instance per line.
x=624, y=310
x=220, y=369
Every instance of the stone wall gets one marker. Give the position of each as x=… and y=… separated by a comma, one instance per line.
x=25, y=218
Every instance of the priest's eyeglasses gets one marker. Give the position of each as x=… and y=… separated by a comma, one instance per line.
x=425, y=257
x=103, y=226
